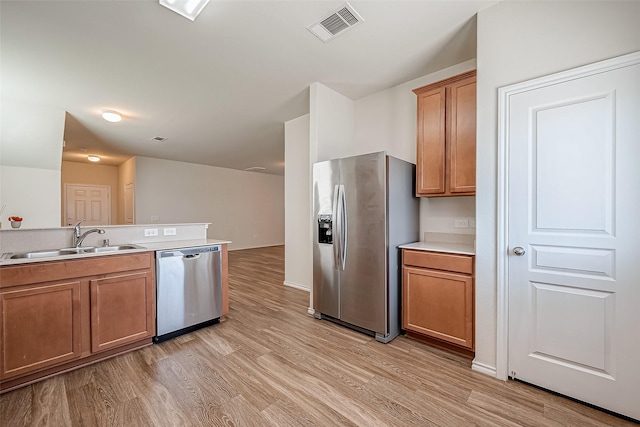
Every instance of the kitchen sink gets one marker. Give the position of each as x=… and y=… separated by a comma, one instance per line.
x=100, y=249
x=46, y=253
x=49, y=253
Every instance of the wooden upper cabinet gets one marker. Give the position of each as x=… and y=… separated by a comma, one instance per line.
x=446, y=137
x=431, y=142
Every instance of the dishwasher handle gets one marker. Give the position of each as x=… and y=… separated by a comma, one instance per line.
x=188, y=253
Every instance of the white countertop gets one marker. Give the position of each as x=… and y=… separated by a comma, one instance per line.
x=156, y=246
x=454, y=248
x=177, y=244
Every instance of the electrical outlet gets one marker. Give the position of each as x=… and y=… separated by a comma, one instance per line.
x=150, y=232
x=169, y=231
x=461, y=223
x=155, y=218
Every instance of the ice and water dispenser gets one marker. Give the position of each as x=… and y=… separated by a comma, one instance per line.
x=325, y=228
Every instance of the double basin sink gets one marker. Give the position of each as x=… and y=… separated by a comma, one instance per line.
x=49, y=253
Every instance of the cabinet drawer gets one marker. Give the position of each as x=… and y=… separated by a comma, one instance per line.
x=438, y=261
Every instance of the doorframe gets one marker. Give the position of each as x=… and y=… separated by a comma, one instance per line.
x=502, y=244
x=66, y=208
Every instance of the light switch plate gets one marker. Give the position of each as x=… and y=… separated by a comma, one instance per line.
x=169, y=231
x=150, y=232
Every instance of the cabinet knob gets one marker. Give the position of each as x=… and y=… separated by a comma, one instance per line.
x=518, y=251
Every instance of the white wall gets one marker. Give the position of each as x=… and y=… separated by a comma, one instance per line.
x=31, y=135
x=519, y=41
x=331, y=124
x=438, y=214
x=31, y=193
x=30, y=158
x=244, y=207
x=387, y=120
x=297, y=217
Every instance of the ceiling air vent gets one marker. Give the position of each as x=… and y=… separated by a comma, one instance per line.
x=159, y=138
x=335, y=23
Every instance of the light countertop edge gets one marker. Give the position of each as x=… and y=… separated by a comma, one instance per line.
x=453, y=248
x=177, y=244
x=155, y=246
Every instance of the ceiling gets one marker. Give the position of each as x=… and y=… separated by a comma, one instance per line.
x=219, y=88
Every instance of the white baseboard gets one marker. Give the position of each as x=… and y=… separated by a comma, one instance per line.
x=296, y=285
x=311, y=311
x=484, y=369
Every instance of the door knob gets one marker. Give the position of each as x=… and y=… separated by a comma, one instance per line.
x=518, y=251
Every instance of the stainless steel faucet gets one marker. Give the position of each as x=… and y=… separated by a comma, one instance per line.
x=79, y=238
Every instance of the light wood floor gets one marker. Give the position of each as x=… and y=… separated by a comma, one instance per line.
x=270, y=363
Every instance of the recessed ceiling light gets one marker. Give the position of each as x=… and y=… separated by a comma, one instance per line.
x=93, y=158
x=187, y=8
x=111, y=116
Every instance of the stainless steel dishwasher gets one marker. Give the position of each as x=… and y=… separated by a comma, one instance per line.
x=188, y=290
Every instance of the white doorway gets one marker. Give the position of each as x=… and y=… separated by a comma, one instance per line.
x=129, y=203
x=569, y=287
x=89, y=202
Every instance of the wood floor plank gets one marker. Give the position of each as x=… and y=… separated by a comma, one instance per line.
x=16, y=407
x=50, y=406
x=269, y=363
x=285, y=413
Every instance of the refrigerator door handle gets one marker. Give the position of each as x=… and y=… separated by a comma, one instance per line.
x=336, y=229
x=343, y=227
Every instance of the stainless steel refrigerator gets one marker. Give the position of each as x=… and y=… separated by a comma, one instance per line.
x=363, y=208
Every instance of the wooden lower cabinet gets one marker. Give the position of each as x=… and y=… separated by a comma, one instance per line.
x=121, y=310
x=436, y=302
x=40, y=327
x=80, y=311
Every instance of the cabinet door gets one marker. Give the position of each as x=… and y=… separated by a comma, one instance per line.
x=122, y=310
x=438, y=304
x=461, y=147
x=430, y=164
x=40, y=327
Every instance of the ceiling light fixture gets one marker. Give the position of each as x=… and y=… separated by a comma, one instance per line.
x=111, y=116
x=187, y=8
x=255, y=169
x=93, y=158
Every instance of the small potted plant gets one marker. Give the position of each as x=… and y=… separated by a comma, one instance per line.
x=16, y=221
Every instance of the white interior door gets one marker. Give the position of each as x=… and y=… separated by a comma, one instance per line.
x=129, y=203
x=573, y=203
x=89, y=202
